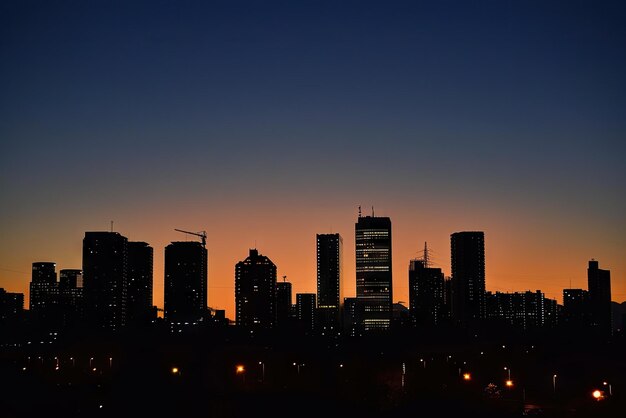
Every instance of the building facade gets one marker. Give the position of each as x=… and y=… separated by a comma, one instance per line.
x=185, y=295
x=374, y=272
x=255, y=291
x=329, y=286
x=468, y=276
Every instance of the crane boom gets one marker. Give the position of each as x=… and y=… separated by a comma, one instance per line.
x=201, y=234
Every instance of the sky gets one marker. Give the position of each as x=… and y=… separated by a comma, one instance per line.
x=266, y=122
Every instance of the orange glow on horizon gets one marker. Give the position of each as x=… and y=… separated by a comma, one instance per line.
x=525, y=254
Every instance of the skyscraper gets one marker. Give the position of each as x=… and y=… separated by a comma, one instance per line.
x=185, y=282
x=329, y=289
x=44, y=294
x=426, y=292
x=140, y=267
x=468, y=276
x=283, y=303
x=71, y=297
x=11, y=307
x=576, y=314
x=373, y=272
x=305, y=310
x=599, y=284
x=105, y=281
x=255, y=291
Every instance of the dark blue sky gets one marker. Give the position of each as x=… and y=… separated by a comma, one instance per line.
x=505, y=104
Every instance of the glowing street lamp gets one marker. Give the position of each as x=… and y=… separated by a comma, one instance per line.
x=467, y=376
x=610, y=389
x=240, y=369
x=598, y=395
x=554, y=383
x=175, y=370
x=262, y=371
x=509, y=383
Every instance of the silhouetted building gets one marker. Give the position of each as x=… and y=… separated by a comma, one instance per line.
x=552, y=312
x=44, y=295
x=105, y=280
x=374, y=272
x=401, y=316
x=283, y=304
x=599, y=284
x=468, y=277
x=11, y=307
x=185, y=296
x=305, y=310
x=329, y=288
x=71, y=296
x=140, y=268
x=523, y=310
x=426, y=293
x=352, y=314
x=255, y=291
x=447, y=298
x=576, y=312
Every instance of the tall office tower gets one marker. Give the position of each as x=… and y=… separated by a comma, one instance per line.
x=447, y=298
x=551, y=312
x=185, y=297
x=71, y=297
x=255, y=291
x=305, y=310
x=426, y=292
x=283, y=303
x=11, y=307
x=44, y=294
x=329, y=289
x=373, y=272
x=599, y=285
x=140, y=267
x=575, y=314
x=352, y=314
x=468, y=277
x=105, y=280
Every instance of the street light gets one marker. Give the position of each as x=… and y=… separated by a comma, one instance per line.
x=262, y=371
x=509, y=383
x=508, y=370
x=467, y=376
x=554, y=384
x=598, y=395
x=610, y=389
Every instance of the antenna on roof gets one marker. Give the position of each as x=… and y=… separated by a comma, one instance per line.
x=372, y=211
x=284, y=279
x=111, y=226
x=359, y=211
x=426, y=257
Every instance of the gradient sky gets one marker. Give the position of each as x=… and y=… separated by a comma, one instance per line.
x=266, y=122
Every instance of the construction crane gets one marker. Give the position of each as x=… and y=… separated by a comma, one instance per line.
x=201, y=234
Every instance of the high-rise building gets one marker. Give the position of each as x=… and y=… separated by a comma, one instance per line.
x=44, y=294
x=283, y=303
x=140, y=267
x=373, y=272
x=599, y=284
x=329, y=288
x=523, y=310
x=352, y=314
x=468, y=277
x=426, y=293
x=105, y=280
x=71, y=297
x=255, y=291
x=11, y=307
x=305, y=310
x=185, y=296
x=576, y=313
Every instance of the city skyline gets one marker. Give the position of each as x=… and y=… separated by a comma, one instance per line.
x=268, y=123
x=222, y=289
